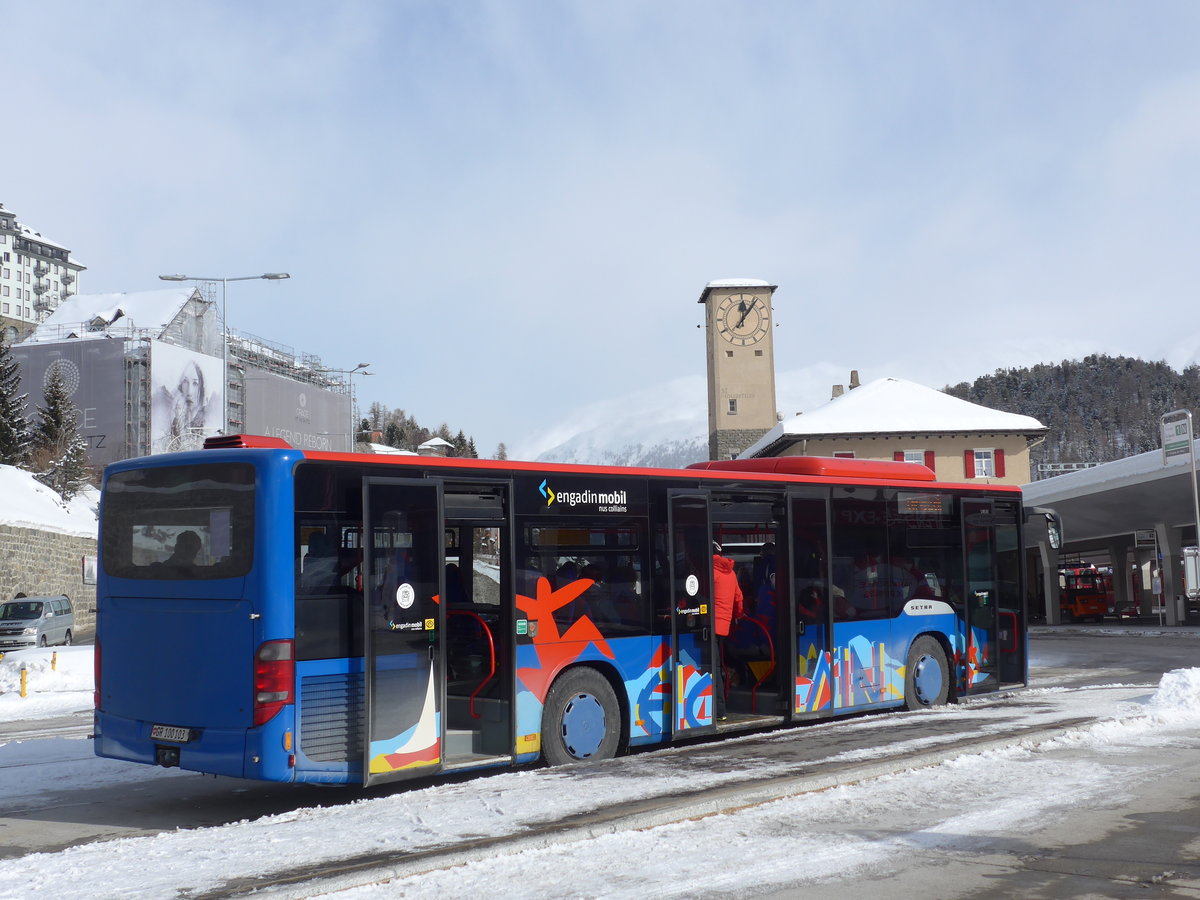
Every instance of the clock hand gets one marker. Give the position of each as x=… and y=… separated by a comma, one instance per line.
x=745, y=311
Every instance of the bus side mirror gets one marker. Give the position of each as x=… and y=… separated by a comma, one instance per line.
x=1053, y=523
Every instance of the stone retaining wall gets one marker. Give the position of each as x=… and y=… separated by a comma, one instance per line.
x=46, y=562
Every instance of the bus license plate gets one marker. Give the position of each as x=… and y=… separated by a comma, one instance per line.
x=171, y=733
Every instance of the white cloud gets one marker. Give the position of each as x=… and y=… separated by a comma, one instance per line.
x=512, y=213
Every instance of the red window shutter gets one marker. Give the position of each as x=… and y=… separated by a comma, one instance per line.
x=999, y=463
x=898, y=455
x=929, y=460
x=969, y=463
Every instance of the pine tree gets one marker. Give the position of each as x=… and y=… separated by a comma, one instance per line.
x=501, y=451
x=14, y=429
x=59, y=454
x=393, y=437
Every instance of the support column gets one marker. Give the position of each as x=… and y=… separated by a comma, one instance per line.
x=1170, y=545
x=1118, y=559
x=1049, y=558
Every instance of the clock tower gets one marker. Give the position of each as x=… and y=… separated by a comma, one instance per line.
x=741, y=364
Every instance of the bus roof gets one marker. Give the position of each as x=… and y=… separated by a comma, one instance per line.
x=797, y=469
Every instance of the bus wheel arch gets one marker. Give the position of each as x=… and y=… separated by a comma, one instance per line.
x=927, y=680
x=583, y=718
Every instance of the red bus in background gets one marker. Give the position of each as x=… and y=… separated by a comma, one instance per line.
x=1085, y=592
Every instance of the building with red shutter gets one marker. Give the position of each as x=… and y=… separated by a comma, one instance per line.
x=894, y=419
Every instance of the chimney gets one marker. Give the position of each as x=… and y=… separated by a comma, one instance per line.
x=854, y=382
x=838, y=390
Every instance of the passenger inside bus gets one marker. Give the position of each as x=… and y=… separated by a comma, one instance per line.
x=187, y=547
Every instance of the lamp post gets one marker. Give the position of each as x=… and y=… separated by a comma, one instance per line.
x=349, y=373
x=269, y=276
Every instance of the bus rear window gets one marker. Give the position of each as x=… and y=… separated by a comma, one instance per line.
x=179, y=523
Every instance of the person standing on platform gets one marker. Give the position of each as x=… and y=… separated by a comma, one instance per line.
x=727, y=609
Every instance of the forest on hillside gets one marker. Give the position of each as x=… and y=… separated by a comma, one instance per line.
x=398, y=429
x=1097, y=409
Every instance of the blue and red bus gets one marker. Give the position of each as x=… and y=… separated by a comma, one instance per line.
x=287, y=615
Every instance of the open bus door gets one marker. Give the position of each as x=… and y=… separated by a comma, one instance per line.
x=403, y=550
x=813, y=599
x=995, y=604
x=693, y=640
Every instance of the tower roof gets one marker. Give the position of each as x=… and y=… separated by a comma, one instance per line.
x=756, y=283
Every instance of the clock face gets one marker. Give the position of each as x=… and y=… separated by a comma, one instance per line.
x=743, y=319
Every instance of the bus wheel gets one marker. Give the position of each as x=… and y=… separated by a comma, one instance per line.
x=581, y=719
x=927, y=676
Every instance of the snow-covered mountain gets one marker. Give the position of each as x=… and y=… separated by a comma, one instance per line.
x=666, y=425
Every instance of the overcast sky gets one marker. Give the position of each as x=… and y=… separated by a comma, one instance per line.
x=510, y=209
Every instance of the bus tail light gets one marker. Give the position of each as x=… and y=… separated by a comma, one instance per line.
x=274, y=676
x=96, y=675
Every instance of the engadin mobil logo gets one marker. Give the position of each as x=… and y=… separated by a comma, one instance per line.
x=603, y=501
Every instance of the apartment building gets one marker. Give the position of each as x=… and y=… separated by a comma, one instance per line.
x=36, y=276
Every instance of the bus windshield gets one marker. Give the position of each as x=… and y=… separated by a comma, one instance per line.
x=179, y=523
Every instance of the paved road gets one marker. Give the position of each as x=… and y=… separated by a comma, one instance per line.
x=1146, y=847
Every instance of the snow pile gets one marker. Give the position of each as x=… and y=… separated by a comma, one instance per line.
x=1177, y=700
x=1173, y=709
x=58, y=681
x=27, y=503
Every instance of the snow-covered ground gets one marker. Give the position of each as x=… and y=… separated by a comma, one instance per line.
x=30, y=504
x=966, y=796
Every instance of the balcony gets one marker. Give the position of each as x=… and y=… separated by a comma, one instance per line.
x=41, y=270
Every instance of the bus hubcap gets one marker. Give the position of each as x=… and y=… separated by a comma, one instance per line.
x=927, y=680
x=583, y=726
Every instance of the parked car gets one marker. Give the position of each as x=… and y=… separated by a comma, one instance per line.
x=36, y=622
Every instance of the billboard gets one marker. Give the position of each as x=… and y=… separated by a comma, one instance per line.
x=93, y=373
x=187, y=401
x=304, y=415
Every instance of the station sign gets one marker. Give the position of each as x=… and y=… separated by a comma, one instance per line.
x=1176, y=434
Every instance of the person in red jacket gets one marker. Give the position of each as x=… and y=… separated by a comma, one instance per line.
x=727, y=609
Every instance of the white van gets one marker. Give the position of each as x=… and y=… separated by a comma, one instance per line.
x=36, y=622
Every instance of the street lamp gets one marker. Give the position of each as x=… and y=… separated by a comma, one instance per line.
x=357, y=370
x=269, y=276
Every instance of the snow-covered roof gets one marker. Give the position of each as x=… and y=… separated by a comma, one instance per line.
x=388, y=451
x=738, y=282
x=1129, y=471
x=755, y=283
x=437, y=442
x=88, y=315
x=896, y=406
x=29, y=234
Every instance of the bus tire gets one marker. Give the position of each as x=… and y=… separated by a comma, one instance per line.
x=581, y=719
x=926, y=675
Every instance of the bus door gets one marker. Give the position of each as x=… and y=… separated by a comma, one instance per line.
x=811, y=599
x=403, y=623
x=693, y=641
x=988, y=598
x=478, y=603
